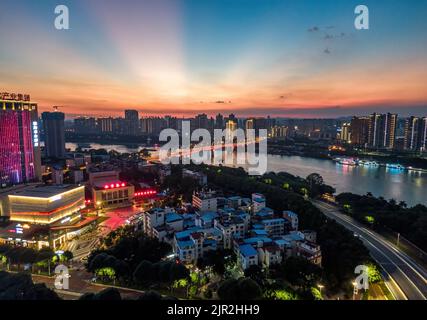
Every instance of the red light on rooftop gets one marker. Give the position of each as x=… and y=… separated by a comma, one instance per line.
x=123, y=184
x=106, y=186
x=112, y=185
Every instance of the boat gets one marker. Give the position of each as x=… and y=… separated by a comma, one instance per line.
x=395, y=166
x=346, y=161
x=366, y=163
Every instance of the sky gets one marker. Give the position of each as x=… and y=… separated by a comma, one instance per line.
x=283, y=58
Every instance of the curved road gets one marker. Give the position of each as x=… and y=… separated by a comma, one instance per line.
x=405, y=278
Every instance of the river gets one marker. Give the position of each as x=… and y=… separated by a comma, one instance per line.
x=408, y=186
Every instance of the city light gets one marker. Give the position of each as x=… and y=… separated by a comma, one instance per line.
x=115, y=185
x=146, y=193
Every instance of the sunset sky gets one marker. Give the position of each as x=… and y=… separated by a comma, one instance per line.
x=299, y=58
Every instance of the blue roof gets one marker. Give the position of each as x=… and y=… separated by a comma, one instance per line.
x=259, y=200
x=282, y=242
x=208, y=216
x=293, y=236
x=257, y=239
x=272, y=220
x=260, y=232
x=189, y=223
x=173, y=216
x=213, y=231
x=258, y=226
x=247, y=250
x=210, y=242
x=186, y=233
x=234, y=198
x=185, y=244
x=189, y=216
x=290, y=213
x=263, y=214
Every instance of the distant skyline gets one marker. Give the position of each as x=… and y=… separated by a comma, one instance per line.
x=283, y=58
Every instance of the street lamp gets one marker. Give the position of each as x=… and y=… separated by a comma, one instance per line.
x=354, y=283
x=320, y=286
x=98, y=206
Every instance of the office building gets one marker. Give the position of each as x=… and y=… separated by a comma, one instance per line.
x=382, y=131
x=54, y=134
x=105, y=125
x=359, y=129
x=132, y=122
x=345, y=134
x=19, y=140
x=85, y=125
x=415, y=134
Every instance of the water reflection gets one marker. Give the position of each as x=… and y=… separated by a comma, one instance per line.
x=408, y=186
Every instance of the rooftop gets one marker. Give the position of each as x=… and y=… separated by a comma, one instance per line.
x=43, y=191
x=185, y=244
x=172, y=216
x=247, y=250
x=290, y=213
x=273, y=220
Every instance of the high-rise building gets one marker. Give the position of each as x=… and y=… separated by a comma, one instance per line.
x=19, y=140
x=54, y=134
x=359, y=128
x=382, y=130
x=105, y=125
x=201, y=121
x=423, y=144
x=231, y=127
x=345, y=134
x=279, y=132
x=85, y=125
x=250, y=124
x=415, y=134
x=132, y=122
x=154, y=125
x=219, y=121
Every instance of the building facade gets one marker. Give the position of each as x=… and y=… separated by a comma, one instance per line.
x=54, y=134
x=20, y=160
x=382, y=131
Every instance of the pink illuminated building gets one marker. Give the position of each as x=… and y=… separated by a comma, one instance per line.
x=19, y=142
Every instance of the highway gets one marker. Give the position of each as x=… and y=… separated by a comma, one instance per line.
x=404, y=277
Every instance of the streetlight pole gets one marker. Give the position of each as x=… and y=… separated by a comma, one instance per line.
x=354, y=290
x=320, y=289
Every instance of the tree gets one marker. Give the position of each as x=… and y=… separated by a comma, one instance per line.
x=144, y=273
x=150, y=296
x=21, y=287
x=68, y=255
x=241, y=289
x=178, y=271
x=256, y=273
x=298, y=271
x=315, y=179
x=108, y=294
x=249, y=289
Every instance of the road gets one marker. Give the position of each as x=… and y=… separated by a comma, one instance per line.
x=404, y=277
